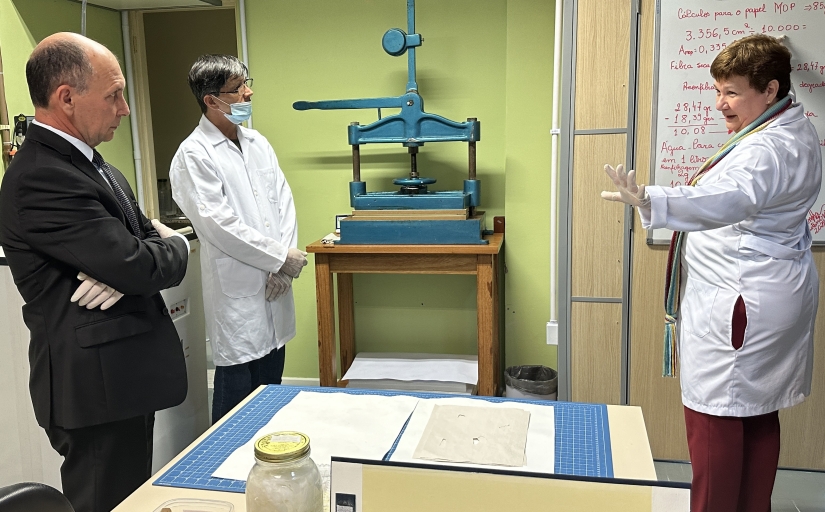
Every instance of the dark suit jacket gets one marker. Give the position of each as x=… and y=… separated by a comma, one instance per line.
x=58, y=216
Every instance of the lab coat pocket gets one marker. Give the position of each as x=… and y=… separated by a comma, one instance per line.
x=697, y=307
x=267, y=179
x=239, y=279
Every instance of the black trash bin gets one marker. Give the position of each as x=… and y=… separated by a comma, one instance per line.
x=531, y=381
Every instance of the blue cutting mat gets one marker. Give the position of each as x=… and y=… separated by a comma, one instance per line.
x=582, y=437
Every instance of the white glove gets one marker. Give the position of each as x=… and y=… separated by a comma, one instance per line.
x=163, y=230
x=92, y=293
x=628, y=191
x=277, y=285
x=296, y=260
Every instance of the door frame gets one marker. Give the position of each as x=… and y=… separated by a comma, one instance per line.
x=143, y=106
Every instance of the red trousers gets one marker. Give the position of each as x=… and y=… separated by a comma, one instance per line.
x=734, y=461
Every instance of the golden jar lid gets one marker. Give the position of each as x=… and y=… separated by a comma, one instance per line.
x=281, y=447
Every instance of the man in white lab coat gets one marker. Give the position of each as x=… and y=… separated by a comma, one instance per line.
x=227, y=181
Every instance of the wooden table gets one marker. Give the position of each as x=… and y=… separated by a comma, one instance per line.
x=346, y=260
x=630, y=451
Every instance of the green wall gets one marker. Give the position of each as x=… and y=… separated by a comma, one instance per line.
x=490, y=59
x=24, y=23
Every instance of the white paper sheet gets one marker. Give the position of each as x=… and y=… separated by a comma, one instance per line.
x=346, y=425
x=409, y=367
x=540, y=453
x=476, y=435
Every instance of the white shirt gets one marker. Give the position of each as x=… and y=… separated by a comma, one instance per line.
x=748, y=236
x=88, y=152
x=241, y=207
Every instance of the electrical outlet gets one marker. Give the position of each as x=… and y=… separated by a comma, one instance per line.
x=553, y=332
x=179, y=308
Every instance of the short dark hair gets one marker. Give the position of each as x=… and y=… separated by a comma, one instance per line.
x=760, y=59
x=211, y=72
x=55, y=64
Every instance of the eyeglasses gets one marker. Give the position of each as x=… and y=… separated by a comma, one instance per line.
x=246, y=83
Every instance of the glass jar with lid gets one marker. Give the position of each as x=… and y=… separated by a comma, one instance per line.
x=284, y=477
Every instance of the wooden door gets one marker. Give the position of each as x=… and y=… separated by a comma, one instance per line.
x=596, y=241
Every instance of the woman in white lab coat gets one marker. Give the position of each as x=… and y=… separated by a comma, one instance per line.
x=743, y=271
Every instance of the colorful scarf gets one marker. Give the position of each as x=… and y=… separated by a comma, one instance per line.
x=674, y=270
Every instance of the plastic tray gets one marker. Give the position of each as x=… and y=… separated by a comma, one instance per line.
x=195, y=505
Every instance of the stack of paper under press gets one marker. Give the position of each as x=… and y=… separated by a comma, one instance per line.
x=436, y=373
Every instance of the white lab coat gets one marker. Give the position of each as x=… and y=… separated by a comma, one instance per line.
x=748, y=236
x=241, y=207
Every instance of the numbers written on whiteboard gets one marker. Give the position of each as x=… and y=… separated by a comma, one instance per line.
x=696, y=130
x=814, y=65
x=692, y=33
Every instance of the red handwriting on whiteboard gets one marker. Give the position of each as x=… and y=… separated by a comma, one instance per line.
x=688, y=127
x=704, y=86
x=667, y=148
x=813, y=65
x=790, y=27
x=782, y=7
x=687, y=13
x=811, y=86
x=817, y=220
x=753, y=11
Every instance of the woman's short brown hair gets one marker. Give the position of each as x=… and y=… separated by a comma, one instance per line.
x=760, y=58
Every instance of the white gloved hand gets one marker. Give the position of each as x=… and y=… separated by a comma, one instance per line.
x=163, y=230
x=277, y=285
x=92, y=293
x=628, y=191
x=296, y=260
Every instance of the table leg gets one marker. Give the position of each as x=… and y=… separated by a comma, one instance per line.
x=326, y=321
x=488, y=342
x=498, y=339
x=346, y=321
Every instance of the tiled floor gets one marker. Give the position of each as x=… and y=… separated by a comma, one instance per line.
x=794, y=491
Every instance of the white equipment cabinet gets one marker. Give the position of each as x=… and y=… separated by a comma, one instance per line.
x=175, y=428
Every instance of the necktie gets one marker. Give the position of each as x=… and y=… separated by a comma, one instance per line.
x=119, y=193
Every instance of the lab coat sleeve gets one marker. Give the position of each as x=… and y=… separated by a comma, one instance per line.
x=286, y=204
x=749, y=181
x=198, y=191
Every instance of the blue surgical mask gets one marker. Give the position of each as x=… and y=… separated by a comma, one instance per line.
x=240, y=111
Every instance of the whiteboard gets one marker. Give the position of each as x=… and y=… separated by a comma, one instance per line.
x=687, y=128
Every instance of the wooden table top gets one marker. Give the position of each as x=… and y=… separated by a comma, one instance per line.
x=494, y=247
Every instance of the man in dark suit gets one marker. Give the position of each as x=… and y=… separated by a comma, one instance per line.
x=104, y=357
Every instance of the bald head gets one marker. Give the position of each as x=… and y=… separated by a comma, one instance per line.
x=77, y=86
x=61, y=58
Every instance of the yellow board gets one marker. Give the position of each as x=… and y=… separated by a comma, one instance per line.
x=379, y=487
x=411, y=490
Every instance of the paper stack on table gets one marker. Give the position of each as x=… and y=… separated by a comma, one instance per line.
x=475, y=435
x=435, y=373
x=342, y=424
x=539, y=451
